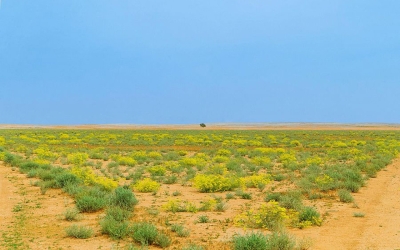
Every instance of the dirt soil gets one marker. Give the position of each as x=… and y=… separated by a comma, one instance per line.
x=31, y=220
x=34, y=221
x=379, y=229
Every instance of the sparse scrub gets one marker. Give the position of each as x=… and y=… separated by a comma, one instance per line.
x=345, y=196
x=71, y=214
x=90, y=204
x=116, y=229
x=79, y=232
x=144, y=233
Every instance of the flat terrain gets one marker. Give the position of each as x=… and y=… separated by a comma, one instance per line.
x=314, y=160
x=42, y=229
x=256, y=126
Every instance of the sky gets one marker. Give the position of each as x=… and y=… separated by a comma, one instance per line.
x=188, y=62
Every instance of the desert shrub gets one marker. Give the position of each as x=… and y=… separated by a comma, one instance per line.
x=71, y=214
x=278, y=177
x=11, y=159
x=112, y=164
x=221, y=206
x=345, y=196
x=180, y=230
x=255, y=181
x=157, y=171
x=325, y=182
x=309, y=216
x=170, y=179
x=175, y=205
x=234, y=166
x=291, y=200
x=358, y=214
x=144, y=233
x=45, y=174
x=253, y=241
x=126, y=161
x=215, y=183
x=280, y=241
x=270, y=216
x=193, y=247
x=123, y=198
x=28, y=166
x=203, y=219
x=220, y=159
x=217, y=169
x=114, y=228
x=229, y=196
x=90, y=204
x=66, y=178
x=79, y=232
x=244, y=195
x=172, y=156
x=74, y=190
x=77, y=159
x=147, y=186
x=224, y=152
x=118, y=213
x=207, y=205
x=273, y=197
x=163, y=240
x=90, y=178
x=261, y=160
x=154, y=155
x=352, y=186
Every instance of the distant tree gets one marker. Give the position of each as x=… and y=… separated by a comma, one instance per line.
x=202, y=125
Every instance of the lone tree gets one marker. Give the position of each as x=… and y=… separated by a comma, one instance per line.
x=202, y=125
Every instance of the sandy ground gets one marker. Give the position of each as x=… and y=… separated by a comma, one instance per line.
x=379, y=229
x=31, y=220
x=43, y=227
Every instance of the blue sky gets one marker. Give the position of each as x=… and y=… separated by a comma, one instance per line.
x=180, y=62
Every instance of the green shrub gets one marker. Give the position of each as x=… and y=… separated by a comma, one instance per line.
x=203, y=219
x=11, y=159
x=229, y=196
x=115, y=229
x=71, y=214
x=144, y=233
x=65, y=179
x=345, y=196
x=220, y=206
x=352, y=186
x=163, y=240
x=243, y=195
x=117, y=213
x=170, y=179
x=90, y=204
x=193, y=247
x=79, y=232
x=253, y=241
x=291, y=200
x=28, y=166
x=180, y=230
x=123, y=198
x=309, y=216
x=281, y=241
